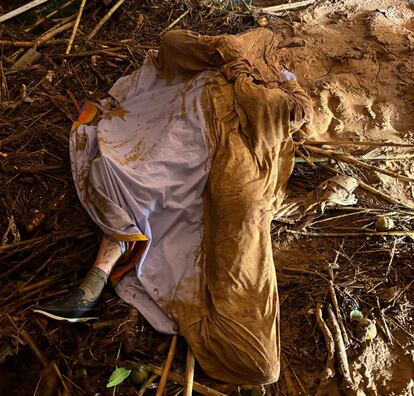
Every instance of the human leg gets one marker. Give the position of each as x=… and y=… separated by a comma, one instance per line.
x=82, y=304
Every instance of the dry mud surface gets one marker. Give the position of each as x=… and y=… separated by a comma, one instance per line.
x=358, y=65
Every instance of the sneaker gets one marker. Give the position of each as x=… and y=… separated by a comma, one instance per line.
x=71, y=308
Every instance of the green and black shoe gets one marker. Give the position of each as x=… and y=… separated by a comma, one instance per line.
x=72, y=308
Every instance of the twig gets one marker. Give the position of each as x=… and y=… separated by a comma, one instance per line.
x=189, y=373
x=330, y=345
x=29, y=44
x=32, y=169
x=353, y=143
x=128, y=328
x=352, y=234
x=367, y=187
x=352, y=160
x=167, y=367
x=297, y=378
x=172, y=376
x=75, y=27
x=4, y=90
x=386, y=328
x=290, y=385
x=105, y=19
x=59, y=374
x=391, y=258
x=340, y=348
x=87, y=53
x=52, y=33
x=289, y=6
x=173, y=23
x=74, y=101
x=338, y=313
x=304, y=158
x=40, y=216
x=21, y=10
x=26, y=337
x=146, y=384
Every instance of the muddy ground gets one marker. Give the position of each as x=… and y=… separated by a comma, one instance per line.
x=356, y=63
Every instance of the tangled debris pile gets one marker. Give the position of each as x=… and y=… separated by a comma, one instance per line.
x=355, y=60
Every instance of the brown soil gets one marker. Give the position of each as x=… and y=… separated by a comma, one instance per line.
x=357, y=64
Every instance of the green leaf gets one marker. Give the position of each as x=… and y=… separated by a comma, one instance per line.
x=118, y=376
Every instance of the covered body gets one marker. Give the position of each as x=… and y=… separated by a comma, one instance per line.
x=193, y=162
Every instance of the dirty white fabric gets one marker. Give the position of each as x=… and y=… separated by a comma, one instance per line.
x=149, y=163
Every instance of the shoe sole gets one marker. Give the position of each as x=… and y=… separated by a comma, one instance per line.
x=63, y=319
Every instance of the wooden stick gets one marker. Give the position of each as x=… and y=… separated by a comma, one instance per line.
x=353, y=143
x=330, y=344
x=391, y=158
x=21, y=10
x=286, y=7
x=26, y=337
x=340, y=348
x=304, y=158
x=338, y=313
x=172, y=376
x=105, y=19
x=189, y=373
x=352, y=160
x=29, y=44
x=75, y=27
x=52, y=33
x=32, y=169
x=12, y=43
x=173, y=23
x=367, y=187
x=391, y=259
x=87, y=53
x=146, y=385
x=167, y=367
x=386, y=328
x=351, y=234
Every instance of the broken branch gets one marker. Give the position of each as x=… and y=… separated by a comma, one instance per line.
x=367, y=187
x=352, y=234
x=172, y=24
x=330, y=344
x=338, y=313
x=189, y=373
x=75, y=27
x=340, y=348
x=167, y=368
x=105, y=19
x=347, y=158
x=287, y=7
